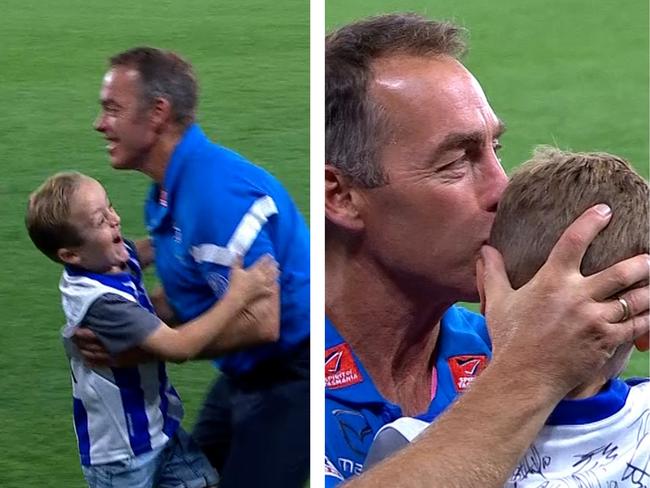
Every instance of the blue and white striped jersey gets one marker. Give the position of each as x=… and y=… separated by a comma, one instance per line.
x=212, y=206
x=600, y=441
x=603, y=440
x=118, y=412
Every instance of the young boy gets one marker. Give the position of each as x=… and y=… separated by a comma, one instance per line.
x=127, y=418
x=599, y=435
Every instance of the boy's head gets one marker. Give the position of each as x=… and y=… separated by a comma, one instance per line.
x=550, y=191
x=70, y=219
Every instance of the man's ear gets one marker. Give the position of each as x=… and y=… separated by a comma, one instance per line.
x=341, y=201
x=161, y=113
x=68, y=256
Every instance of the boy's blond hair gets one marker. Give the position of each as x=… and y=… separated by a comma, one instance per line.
x=48, y=214
x=550, y=191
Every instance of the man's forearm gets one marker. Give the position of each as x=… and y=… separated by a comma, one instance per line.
x=162, y=307
x=476, y=443
x=145, y=250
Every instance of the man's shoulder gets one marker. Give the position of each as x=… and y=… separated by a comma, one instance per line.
x=213, y=164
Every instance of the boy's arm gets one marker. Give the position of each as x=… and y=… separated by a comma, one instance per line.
x=188, y=340
x=134, y=335
x=258, y=322
x=121, y=324
x=255, y=284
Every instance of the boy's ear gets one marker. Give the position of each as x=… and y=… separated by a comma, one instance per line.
x=480, y=285
x=68, y=256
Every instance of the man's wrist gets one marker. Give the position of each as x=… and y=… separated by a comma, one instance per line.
x=530, y=387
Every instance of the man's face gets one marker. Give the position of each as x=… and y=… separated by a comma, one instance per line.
x=427, y=225
x=102, y=249
x=123, y=119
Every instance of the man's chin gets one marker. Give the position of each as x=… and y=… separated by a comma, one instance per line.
x=121, y=163
x=117, y=163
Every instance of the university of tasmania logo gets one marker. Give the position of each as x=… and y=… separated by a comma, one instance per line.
x=465, y=368
x=340, y=368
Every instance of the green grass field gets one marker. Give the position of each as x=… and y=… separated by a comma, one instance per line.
x=572, y=73
x=252, y=61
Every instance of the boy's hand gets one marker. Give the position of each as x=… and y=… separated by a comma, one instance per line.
x=257, y=281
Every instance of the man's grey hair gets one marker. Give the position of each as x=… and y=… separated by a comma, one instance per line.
x=163, y=74
x=356, y=126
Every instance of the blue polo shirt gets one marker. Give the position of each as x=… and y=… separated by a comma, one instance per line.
x=355, y=410
x=212, y=206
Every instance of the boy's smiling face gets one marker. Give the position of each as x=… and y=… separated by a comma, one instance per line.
x=98, y=224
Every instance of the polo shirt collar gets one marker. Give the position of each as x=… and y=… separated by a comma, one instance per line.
x=160, y=198
x=192, y=136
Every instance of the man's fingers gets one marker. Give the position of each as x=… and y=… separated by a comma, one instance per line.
x=620, y=276
x=495, y=280
x=574, y=241
x=630, y=304
x=629, y=331
x=92, y=348
x=96, y=359
x=237, y=262
x=84, y=335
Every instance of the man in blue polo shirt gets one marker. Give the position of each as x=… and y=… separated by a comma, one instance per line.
x=412, y=183
x=356, y=410
x=206, y=206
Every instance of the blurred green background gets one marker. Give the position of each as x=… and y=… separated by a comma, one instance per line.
x=251, y=58
x=572, y=73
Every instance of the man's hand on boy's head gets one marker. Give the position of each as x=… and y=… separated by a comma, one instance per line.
x=561, y=326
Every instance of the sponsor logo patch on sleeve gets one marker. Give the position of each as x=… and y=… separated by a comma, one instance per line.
x=340, y=368
x=465, y=368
